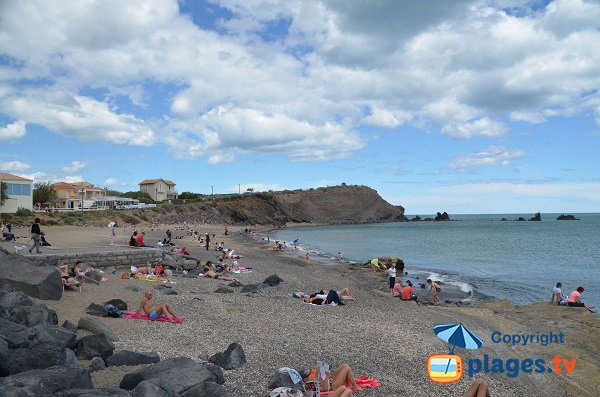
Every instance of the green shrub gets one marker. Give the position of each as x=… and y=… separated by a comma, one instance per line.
x=52, y=222
x=23, y=212
x=5, y=217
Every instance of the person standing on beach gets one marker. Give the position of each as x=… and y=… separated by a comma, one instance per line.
x=392, y=277
x=435, y=289
x=168, y=236
x=113, y=233
x=36, y=236
x=207, y=241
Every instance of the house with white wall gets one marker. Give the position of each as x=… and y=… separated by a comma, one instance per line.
x=19, y=191
x=159, y=189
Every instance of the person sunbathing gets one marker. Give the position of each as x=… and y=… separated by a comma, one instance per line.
x=64, y=275
x=343, y=293
x=212, y=274
x=337, y=381
x=155, y=311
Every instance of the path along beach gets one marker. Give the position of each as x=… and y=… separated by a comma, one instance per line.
x=378, y=335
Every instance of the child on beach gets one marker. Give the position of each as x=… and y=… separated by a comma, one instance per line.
x=574, y=300
x=435, y=289
x=155, y=312
x=397, y=290
x=392, y=277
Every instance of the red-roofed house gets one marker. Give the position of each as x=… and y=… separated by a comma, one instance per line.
x=159, y=189
x=19, y=192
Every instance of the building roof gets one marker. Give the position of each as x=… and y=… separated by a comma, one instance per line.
x=64, y=185
x=153, y=181
x=11, y=177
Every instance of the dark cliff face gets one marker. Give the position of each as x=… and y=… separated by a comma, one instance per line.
x=333, y=205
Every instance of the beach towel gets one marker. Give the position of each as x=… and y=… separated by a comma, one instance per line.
x=362, y=381
x=313, y=304
x=144, y=316
x=242, y=271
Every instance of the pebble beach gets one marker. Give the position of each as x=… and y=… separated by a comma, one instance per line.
x=377, y=334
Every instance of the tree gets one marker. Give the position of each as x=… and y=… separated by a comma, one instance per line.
x=3, y=195
x=250, y=190
x=142, y=196
x=43, y=192
x=188, y=196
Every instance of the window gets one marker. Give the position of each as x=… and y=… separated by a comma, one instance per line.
x=17, y=189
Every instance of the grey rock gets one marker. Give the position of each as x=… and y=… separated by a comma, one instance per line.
x=125, y=357
x=206, y=389
x=169, y=261
x=69, y=326
x=3, y=350
x=43, y=352
x=61, y=334
x=15, y=299
x=71, y=359
x=154, y=388
x=282, y=379
x=16, y=335
x=94, y=275
x=189, y=264
x=235, y=284
x=108, y=392
x=233, y=358
x=31, y=316
x=253, y=287
x=92, y=346
x=21, y=274
x=97, y=364
x=134, y=288
x=95, y=309
x=47, y=381
x=273, y=280
x=97, y=327
x=181, y=372
x=215, y=370
x=118, y=303
x=224, y=290
x=168, y=272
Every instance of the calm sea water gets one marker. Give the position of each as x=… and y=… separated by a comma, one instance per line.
x=520, y=261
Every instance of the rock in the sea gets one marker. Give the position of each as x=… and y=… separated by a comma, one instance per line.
x=273, y=280
x=537, y=217
x=23, y=275
x=206, y=389
x=224, y=290
x=442, y=217
x=97, y=327
x=286, y=377
x=521, y=219
x=567, y=218
x=108, y=392
x=126, y=357
x=180, y=372
x=31, y=316
x=92, y=346
x=416, y=219
x=45, y=381
x=233, y=358
x=253, y=287
x=118, y=303
x=15, y=299
x=97, y=364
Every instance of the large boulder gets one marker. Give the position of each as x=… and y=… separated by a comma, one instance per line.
x=273, y=280
x=97, y=364
x=46, y=381
x=169, y=261
x=60, y=334
x=118, y=303
x=97, y=327
x=95, y=309
x=153, y=388
x=3, y=350
x=15, y=299
x=92, y=346
x=125, y=357
x=206, y=389
x=31, y=316
x=109, y=392
x=188, y=264
x=180, y=372
x=21, y=274
x=233, y=358
x=16, y=335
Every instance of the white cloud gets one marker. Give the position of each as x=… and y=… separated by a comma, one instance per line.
x=14, y=166
x=530, y=117
x=111, y=182
x=483, y=127
x=487, y=157
x=75, y=166
x=73, y=178
x=13, y=131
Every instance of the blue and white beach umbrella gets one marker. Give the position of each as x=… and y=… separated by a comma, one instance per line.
x=457, y=335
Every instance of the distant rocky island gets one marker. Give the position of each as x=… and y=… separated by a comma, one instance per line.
x=440, y=217
x=536, y=218
x=567, y=218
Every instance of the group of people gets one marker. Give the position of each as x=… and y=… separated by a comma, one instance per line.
x=7, y=234
x=572, y=300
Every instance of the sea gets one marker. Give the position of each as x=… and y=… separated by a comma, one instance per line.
x=483, y=255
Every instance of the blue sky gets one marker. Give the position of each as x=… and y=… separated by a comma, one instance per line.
x=463, y=106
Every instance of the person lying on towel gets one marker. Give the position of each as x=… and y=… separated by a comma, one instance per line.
x=155, y=312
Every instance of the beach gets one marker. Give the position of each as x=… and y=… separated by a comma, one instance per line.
x=377, y=334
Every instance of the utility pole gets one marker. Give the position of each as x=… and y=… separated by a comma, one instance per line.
x=212, y=196
x=239, y=189
x=82, y=193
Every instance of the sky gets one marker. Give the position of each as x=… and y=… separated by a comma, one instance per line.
x=461, y=106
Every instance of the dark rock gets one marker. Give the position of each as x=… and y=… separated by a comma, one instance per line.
x=273, y=280
x=235, y=284
x=421, y=285
x=194, y=272
x=181, y=372
x=125, y=357
x=169, y=261
x=134, y=288
x=108, y=392
x=215, y=370
x=97, y=364
x=71, y=359
x=97, y=327
x=233, y=358
x=521, y=219
x=23, y=275
x=442, y=217
x=94, y=276
x=281, y=378
x=16, y=335
x=118, y=303
x=567, y=218
x=537, y=217
x=206, y=389
x=69, y=326
x=253, y=287
x=504, y=219
x=3, y=350
x=224, y=290
x=46, y=381
x=153, y=388
x=416, y=219
x=166, y=289
x=92, y=346
x=15, y=299
x=34, y=315
x=43, y=352
x=95, y=309
x=188, y=264
x=60, y=334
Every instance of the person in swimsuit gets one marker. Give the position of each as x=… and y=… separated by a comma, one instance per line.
x=64, y=274
x=435, y=289
x=336, y=382
x=211, y=274
x=155, y=312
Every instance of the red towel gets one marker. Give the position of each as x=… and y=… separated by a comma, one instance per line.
x=144, y=316
x=362, y=381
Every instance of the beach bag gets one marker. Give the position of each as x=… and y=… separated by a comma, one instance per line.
x=112, y=311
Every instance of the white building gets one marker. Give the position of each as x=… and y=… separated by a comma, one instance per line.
x=159, y=189
x=19, y=191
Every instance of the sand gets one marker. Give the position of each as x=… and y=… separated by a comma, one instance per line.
x=378, y=335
